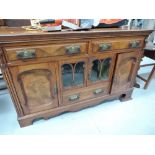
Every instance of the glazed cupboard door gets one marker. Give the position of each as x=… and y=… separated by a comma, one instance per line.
x=36, y=86
x=73, y=73
x=125, y=71
x=100, y=68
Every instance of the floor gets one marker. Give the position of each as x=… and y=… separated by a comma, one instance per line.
x=136, y=116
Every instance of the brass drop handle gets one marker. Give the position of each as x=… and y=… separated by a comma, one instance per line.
x=134, y=44
x=105, y=47
x=26, y=54
x=74, y=97
x=74, y=49
x=98, y=91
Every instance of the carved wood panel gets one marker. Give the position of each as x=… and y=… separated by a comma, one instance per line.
x=126, y=67
x=37, y=84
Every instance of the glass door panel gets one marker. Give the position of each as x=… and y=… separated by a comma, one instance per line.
x=67, y=75
x=100, y=69
x=95, y=71
x=73, y=74
x=79, y=74
x=104, y=69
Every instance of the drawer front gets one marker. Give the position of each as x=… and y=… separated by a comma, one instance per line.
x=33, y=52
x=108, y=45
x=85, y=93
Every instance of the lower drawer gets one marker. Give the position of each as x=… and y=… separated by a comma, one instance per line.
x=74, y=96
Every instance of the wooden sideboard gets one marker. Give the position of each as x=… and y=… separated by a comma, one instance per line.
x=48, y=73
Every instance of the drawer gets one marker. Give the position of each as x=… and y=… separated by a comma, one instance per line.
x=108, y=45
x=75, y=96
x=41, y=51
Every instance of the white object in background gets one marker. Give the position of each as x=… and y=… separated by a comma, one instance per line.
x=128, y=25
x=51, y=28
x=2, y=84
x=150, y=42
x=96, y=22
x=148, y=24
x=70, y=25
x=154, y=38
x=5, y=91
x=35, y=22
x=86, y=23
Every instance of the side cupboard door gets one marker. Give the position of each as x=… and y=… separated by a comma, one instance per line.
x=35, y=85
x=125, y=71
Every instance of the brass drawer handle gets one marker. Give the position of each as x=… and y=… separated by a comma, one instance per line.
x=74, y=97
x=75, y=49
x=98, y=91
x=134, y=44
x=26, y=54
x=105, y=47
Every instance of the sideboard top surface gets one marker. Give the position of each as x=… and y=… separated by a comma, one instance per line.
x=14, y=34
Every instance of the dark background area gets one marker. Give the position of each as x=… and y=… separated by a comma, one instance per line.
x=14, y=22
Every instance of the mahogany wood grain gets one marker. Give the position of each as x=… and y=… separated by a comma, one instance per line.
x=36, y=84
x=45, y=50
x=17, y=35
x=116, y=44
x=28, y=119
x=125, y=70
x=86, y=93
